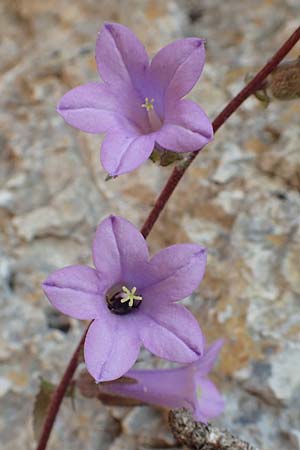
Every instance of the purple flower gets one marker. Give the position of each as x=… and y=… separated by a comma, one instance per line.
x=131, y=300
x=140, y=102
x=186, y=386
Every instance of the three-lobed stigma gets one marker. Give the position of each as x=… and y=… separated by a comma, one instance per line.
x=129, y=296
x=148, y=104
x=121, y=300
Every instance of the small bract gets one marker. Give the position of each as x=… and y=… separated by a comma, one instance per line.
x=139, y=103
x=131, y=299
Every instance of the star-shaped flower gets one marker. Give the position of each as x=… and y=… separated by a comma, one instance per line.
x=140, y=102
x=187, y=386
x=131, y=299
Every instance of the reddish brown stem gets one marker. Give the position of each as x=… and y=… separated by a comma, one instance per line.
x=58, y=395
x=160, y=203
x=221, y=118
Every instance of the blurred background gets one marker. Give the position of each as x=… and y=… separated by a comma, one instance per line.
x=240, y=199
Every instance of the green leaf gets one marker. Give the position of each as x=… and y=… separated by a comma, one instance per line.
x=110, y=177
x=41, y=404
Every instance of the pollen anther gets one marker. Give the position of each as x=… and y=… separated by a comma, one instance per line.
x=129, y=296
x=148, y=104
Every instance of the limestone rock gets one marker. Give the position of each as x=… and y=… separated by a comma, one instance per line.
x=240, y=199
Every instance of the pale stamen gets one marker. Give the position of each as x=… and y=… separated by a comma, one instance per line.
x=199, y=392
x=154, y=120
x=129, y=296
x=148, y=105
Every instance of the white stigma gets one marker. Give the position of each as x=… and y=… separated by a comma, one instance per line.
x=129, y=296
x=148, y=104
x=154, y=119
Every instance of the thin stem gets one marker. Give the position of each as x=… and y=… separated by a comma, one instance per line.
x=232, y=106
x=160, y=203
x=58, y=395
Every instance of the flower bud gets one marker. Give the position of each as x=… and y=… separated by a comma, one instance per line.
x=282, y=84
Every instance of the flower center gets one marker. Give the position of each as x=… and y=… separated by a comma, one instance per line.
x=154, y=120
x=121, y=300
x=148, y=105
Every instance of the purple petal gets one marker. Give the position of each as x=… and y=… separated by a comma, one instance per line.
x=174, y=388
x=206, y=363
x=121, y=58
x=210, y=402
x=174, y=273
x=122, y=153
x=89, y=107
x=76, y=291
x=186, y=128
x=132, y=117
x=171, y=332
x=176, y=68
x=111, y=347
x=168, y=388
x=119, y=251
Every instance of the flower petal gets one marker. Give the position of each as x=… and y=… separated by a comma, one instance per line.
x=122, y=153
x=176, y=68
x=119, y=250
x=210, y=404
x=89, y=107
x=186, y=128
x=167, y=387
x=76, y=291
x=206, y=363
x=121, y=58
x=174, y=273
x=171, y=332
x=111, y=347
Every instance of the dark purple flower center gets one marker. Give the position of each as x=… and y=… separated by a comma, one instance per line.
x=121, y=300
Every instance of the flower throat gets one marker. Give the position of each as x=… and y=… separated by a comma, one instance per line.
x=154, y=120
x=121, y=300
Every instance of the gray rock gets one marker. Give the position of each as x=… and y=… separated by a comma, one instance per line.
x=240, y=198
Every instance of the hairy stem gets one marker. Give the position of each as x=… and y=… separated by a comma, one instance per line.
x=160, y=203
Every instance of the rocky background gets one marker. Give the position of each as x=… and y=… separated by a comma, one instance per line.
x=240, y=199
